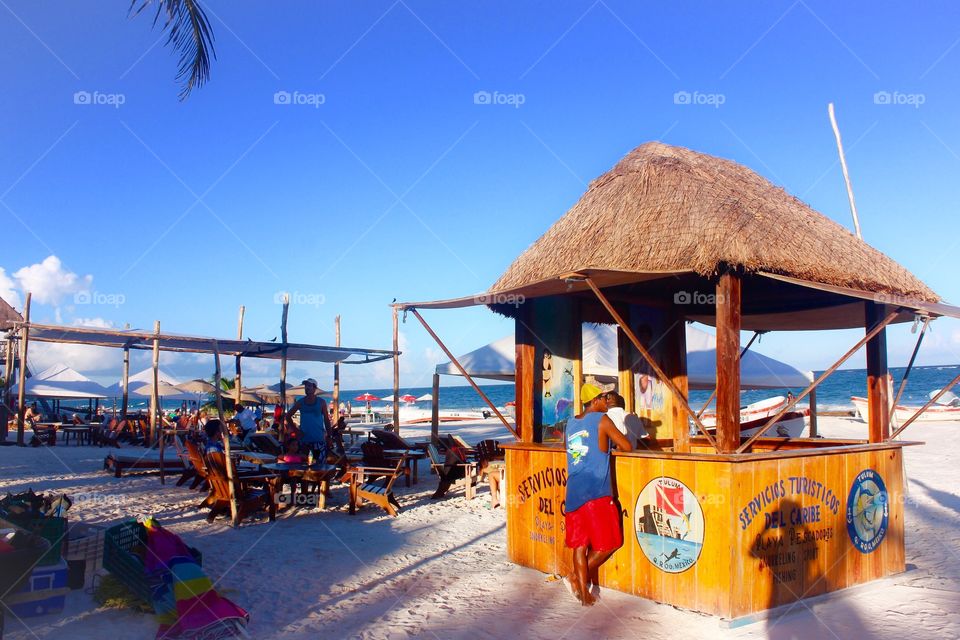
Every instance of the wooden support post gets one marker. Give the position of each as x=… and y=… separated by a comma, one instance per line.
x=878, y=390
x=396, y=372
x=728, y=362
x=225, y=435
x=154, y=393
x=435, y=410
x=6, y=412
x=713, y=394
x=126, y=382
x=524, y=375
x=283, y=358
x=463, y=372
x=336, y=372
x=675, y=364
x=813, y=414
x=238, y=378
x=22, y=371
x=816, y=383
x=651, y=361
x=913, y=358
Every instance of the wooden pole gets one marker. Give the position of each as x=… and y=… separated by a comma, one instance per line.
x=843, y=166
x=126, y=382
x=463, y=372
x=435, y=410
x=7, y=381
x=878, y=389
x=336, y=372
x=22, y=371
x=225, y=435
x=677, y=394
x=283, y=356
x=675, y=364
x=813, y=413
x=238, y=378
x=154, y=393
x=217, y=391
x=396, y=373
x=713, y=394
x=728, y=361
x=525, y=378
x=816, y=383
x=929, y=404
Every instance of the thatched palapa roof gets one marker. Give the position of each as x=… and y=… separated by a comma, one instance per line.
x=8, y=315
x=665, y=209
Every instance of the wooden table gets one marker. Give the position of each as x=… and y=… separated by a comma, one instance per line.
x=413, y=457
x=80, y=433
x=294, y=474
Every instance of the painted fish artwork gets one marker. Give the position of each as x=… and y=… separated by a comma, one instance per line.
x=557, y=396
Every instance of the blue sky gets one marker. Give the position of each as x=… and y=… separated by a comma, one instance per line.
x=383, y=178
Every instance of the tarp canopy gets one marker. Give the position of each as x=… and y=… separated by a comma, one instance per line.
x=60, y=381
x=138, y=339
x=496, y=361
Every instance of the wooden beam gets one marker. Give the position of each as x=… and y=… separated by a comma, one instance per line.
x=677, y=394
x=929, y=404
x=336, y=372
x=816, y=383
x=913, y=357
x=878, y=388
x=463, y=372
x=728, y=294
x=154, y=393
x=22, y=370
x=8, y=360
x=396, y=372
x=238, y=378
x=283, y=357
x=524, y=375
x=675, y=364
x=435, y=410
x=225, y=436
x=813, y=413
x=126, y=382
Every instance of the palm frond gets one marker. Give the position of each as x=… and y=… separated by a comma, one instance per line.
x=189, y=32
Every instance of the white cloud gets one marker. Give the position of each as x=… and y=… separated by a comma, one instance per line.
x=49, y=282
x=8, y=290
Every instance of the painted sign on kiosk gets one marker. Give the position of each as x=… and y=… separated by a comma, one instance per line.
x=669, y=524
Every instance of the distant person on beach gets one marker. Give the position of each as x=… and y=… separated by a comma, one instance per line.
x=248, y=424
x=314, y=420
x=592, y=516
x=349, y=408
x=32, y=414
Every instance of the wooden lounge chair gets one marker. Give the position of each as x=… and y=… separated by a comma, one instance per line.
x=390, y=440
x=362, y=488
x=252, y=493
x=470, y=470
x=139, y=459
x=374, y=457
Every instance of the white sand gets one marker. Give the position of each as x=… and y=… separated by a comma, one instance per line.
x=439, y=570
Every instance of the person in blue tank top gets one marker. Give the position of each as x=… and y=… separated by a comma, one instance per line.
x=592, y=517
x=314, y=419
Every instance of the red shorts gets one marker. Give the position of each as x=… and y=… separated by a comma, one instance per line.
x=596, y=524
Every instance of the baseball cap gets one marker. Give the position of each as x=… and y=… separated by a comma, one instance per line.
x=590, y=391
x=310, y=381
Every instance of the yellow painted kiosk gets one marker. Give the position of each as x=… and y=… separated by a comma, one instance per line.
x=715, y=520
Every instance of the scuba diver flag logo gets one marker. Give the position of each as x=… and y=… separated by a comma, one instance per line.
x=669, y=524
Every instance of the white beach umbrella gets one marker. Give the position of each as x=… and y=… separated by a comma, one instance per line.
x=427, y=397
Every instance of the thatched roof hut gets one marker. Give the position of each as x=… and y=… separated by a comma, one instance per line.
x=8, y=315
x=675, y=217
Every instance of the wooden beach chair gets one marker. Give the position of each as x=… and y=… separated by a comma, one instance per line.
x=252, y=493
x=390, y=440
x=139, y=459
x=470, y=470
x=362, y=488
x=374, y=457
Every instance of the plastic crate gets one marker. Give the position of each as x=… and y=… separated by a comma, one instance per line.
x=125, y=565
x=53, y=530
x=85, y=542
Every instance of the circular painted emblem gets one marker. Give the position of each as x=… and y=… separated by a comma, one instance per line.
x=669, y=524
x=868, y=510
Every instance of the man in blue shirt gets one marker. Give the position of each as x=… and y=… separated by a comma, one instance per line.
x=593, y=525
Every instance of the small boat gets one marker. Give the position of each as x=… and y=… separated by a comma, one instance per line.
x=756, y=411
x=902, y=413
